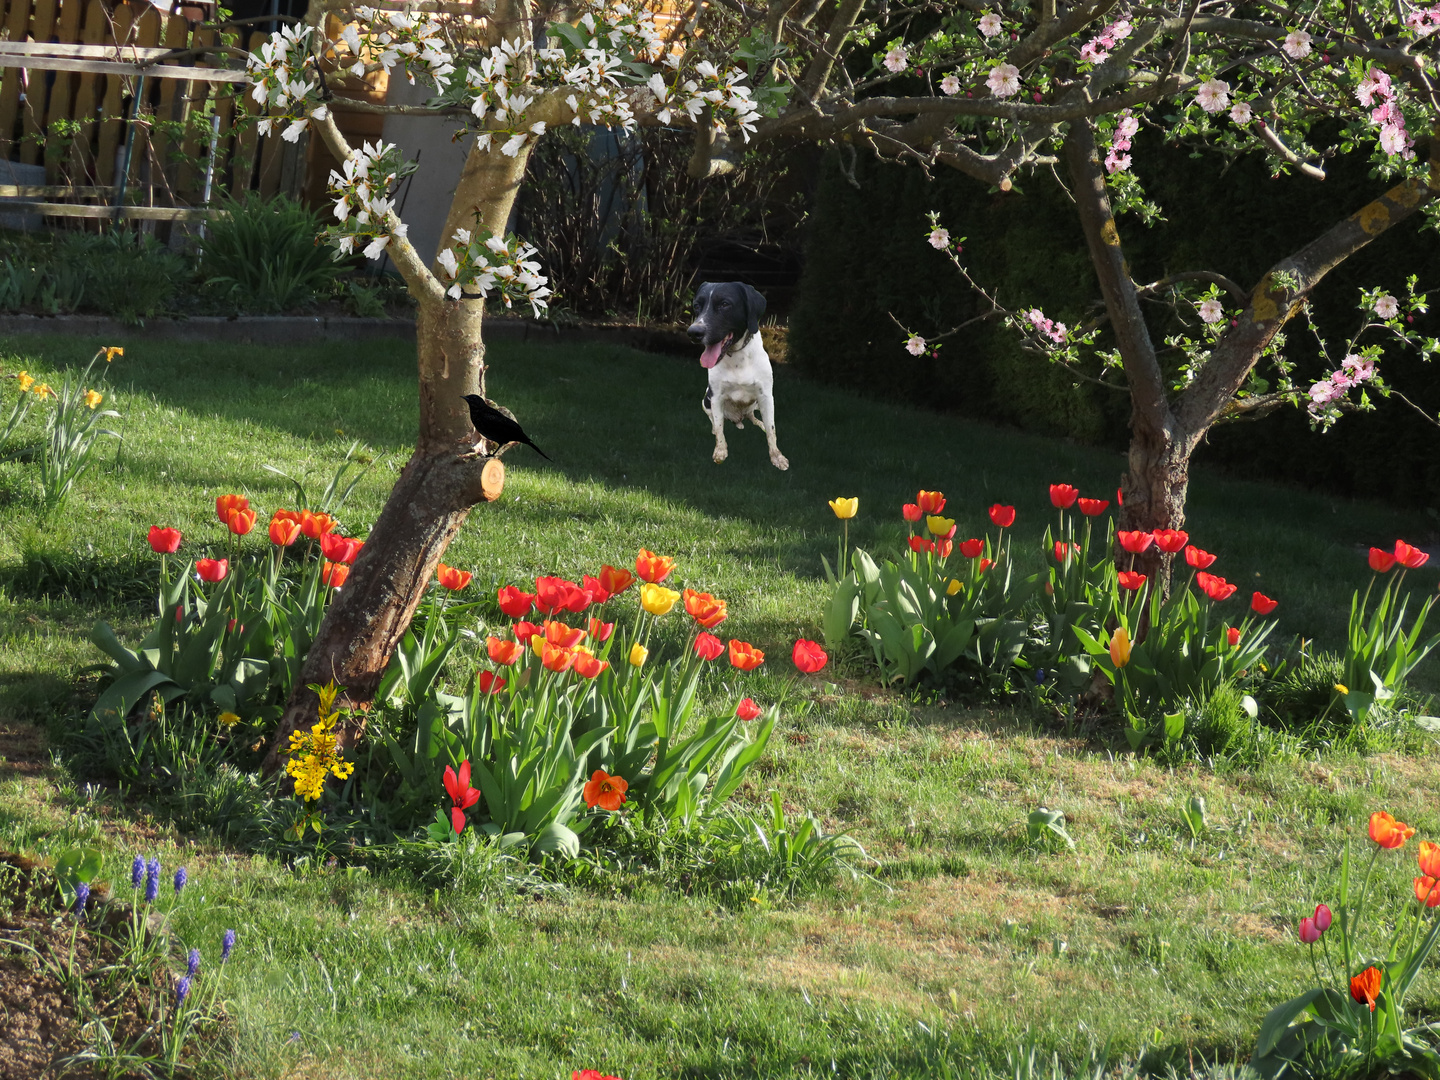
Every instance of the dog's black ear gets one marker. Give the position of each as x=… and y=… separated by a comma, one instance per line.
x=754, y=308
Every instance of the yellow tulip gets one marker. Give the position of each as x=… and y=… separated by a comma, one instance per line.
x=845, y=509
x=638, y=654
x=939, y=526
x=93, y=398
x=1120, y=647
x=26, y=381
x=657, y=599
x=953, y=587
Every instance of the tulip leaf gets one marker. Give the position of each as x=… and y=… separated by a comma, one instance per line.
x=1278, y=1021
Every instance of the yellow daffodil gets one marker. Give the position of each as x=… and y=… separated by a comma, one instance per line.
x=638, y=654
x=26, y=380
x=954, y=587
x=1120, y=647
x=93, y=398
x=112, y=351
x=44, y=390
x=657, y=599
x=845, y=508
x=940, y=526
x=229, y=719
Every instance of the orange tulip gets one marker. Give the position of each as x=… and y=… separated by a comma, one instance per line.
x=283, y=531
x=315, y=525
x=452, y=579
x=745, y=656
x=1427, y=891
x=589, y=666
x=337, y=548
x=1387, y=832
x=1365, y=987
x=565, y=637
x=502, y=651
x=240, y=522
x=704, y=608
x=653, y=568
x=334, y=574
x=1429, y=858
x=555, y=659
x=226, y=503
x=930, y=502
x=605, y=791
x=615, y=581
x=490, y=683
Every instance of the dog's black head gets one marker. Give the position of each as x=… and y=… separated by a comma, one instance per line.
x=725, y=311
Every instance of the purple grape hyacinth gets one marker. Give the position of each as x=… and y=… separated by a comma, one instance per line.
x=82, y=896
x=152, y=880
x=137, y=872
x=227, y=943
x=193, y=967
x=180, y=878
x=182, y=990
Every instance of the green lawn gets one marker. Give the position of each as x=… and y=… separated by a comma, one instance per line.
x=969, y=945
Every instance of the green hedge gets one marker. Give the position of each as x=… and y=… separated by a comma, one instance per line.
x=866, y=259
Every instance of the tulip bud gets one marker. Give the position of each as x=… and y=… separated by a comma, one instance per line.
x=638, y=654
x=1309, y=932
x=1322, y=918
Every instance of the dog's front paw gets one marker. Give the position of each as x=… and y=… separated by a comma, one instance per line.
x=721, y=453
x=779, y=460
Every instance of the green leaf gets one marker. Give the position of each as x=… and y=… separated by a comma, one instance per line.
x=1278, y=1020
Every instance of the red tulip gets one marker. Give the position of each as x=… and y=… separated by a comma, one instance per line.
x=605, y=791
x=653, y=568
x=912, y=512
x=164, y=541
x=284, y=532
x=334, y=574
x=747, y=710
x=1063, y=496
x=524, y=631
x=1216, y=588
x=808, y=656
x=745, y=656
x=452, y=579
x=227, y=503
x=587, y=666
x=212, y=570
x=597, y=592
x=922, y=543
x=1200, y=560
x=337, y=548
x=1063, y=550
x=457, y=786
x=502, y=651
x=599, y=631
x=1136, y=540
x=557, y=594
x=1119, y=497
x=1381, y=561
x=1171, y=540
x=1130, y=579
x=1323, y=918
x=985, y=564
x=708, y=646
x=930, y=502
x=613, y=580
x=971, y=549
x=490, y=683
x=1092, y=507
x=1365, y=987
x=1233, y=634
x=1262, y=604
x=1387, y=832
x=1004, y=516
x=1410, y=557
x=1309, y=932
x=515, y=603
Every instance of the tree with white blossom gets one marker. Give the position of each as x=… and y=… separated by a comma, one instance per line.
x=990, y=91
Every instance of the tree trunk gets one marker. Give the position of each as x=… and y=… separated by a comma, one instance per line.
x=443, y=479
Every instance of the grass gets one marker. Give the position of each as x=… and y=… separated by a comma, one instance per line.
x=968, y=948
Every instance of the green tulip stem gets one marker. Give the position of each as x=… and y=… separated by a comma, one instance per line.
x=1354, y=924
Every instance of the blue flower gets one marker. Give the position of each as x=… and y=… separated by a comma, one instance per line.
x=180, y=878
x=152, y=880
x=182, y=990
x=193, y=968
x=226, y=944
x=82, y=895
x=137, y=872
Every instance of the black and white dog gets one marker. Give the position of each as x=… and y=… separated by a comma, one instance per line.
x=727, y=324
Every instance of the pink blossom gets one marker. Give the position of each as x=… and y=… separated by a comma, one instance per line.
x=1213, y=95
x=1057, y=333
x=1424, y=21
x=915, y=345
x=1118, y=31
x=989, y=24
x=1003, y=80
x=939, y=238
x=1341, y=379
x=1387, y=307
x=1375, y=84
x=1092, y=52
x=1211, y=311
x=1241, y=113
x=1394, y=140
x=1039, y=321
x=950, y=85
x=896, y=60
x=1361, y=369
x=1116, y=162
x=1297, y=45
x=1127, y=127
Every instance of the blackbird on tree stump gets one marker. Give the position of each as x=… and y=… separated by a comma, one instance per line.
x=498, y=425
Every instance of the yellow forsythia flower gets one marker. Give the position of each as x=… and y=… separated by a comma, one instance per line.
x=638, y=654
x=657, y=599
x=1120, y=647
x=845, y=508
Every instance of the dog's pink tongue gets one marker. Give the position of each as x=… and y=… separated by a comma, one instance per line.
x=711, y=356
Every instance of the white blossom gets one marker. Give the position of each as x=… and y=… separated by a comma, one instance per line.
x=1297, y=44
x=989, y=24
x=1387, y=307
x=1003, y=80
x=1213, y=95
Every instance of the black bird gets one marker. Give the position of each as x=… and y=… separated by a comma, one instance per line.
x=498, y=425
